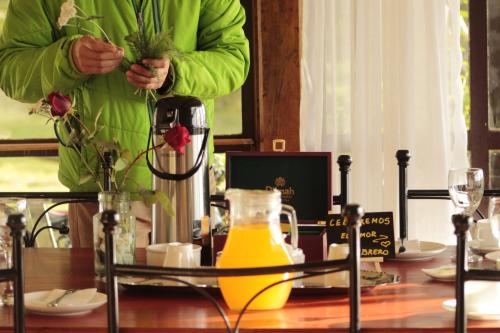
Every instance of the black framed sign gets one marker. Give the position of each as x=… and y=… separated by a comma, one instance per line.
x=303, y=178
x=376, y=233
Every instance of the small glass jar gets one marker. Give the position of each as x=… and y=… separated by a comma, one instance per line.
x=124, y=236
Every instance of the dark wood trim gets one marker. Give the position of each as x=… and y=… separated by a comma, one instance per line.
x=479, y=85
x=279, y=73
x=272, y=110
x=249, y=90
x=225, y=145
x=28, y=147
x=481, y=139
x=27, y=141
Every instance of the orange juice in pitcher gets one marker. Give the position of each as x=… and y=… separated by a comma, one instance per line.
x=255, y=240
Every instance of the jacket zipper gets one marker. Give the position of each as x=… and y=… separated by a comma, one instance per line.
x=156, y=13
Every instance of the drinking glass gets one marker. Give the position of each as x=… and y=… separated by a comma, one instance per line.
x=466, y=188
x=494, y=216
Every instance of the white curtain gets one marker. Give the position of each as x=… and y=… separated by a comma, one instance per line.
x=383, y=75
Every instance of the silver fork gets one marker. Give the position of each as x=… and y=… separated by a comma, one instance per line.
x=56, y=301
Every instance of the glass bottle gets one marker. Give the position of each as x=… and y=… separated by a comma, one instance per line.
x=255, y=240
x=124, y=237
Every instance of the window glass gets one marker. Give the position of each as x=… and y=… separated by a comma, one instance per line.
x=29, y=174
x=24, y=173
x=219, y=168
x=494, y=168
x=228, y=114
x=16, y=122
x=493, y=13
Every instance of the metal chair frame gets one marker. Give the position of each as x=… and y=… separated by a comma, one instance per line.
x=16, y=223
x=352, y=213
x=461, y=223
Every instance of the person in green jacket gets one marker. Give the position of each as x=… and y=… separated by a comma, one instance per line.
x=38, y=57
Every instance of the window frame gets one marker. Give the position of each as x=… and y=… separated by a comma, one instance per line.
x=480, y=139
x=245, y=140
x=270, y=103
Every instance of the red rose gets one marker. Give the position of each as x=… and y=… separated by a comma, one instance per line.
x=177, y=137
x=60, y=104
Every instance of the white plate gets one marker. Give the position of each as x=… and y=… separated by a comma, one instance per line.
x=32, y=303
x=494, y=256
x=425, y=251
x=444, y=273
x=492, y=314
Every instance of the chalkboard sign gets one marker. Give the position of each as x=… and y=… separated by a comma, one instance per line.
x=303, y=178
x=376, y=233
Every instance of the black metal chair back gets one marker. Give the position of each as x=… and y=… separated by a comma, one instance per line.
x=16, y=223
x=461, y=223
x=403, y=158
x=352, y=213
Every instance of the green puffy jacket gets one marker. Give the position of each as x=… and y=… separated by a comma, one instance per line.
x=35, y=60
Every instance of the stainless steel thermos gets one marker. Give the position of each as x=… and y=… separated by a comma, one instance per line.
x=182, y=177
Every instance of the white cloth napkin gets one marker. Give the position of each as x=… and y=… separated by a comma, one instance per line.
x=79, y=297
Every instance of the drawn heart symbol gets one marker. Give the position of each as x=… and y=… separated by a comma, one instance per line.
x=385, y=243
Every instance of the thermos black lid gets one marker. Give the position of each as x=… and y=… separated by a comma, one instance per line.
x=187, y=110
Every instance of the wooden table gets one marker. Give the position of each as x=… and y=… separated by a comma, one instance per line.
x=414, y=305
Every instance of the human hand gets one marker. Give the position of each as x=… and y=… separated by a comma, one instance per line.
x=144, y=78
x=94, y=56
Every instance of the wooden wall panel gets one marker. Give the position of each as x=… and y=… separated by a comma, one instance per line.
x=279, y=73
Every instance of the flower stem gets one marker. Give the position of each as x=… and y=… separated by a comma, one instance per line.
x=85, y=18
x=86, y=165
x=86, y=129
x=137, y=158
x=80, y=9
x=97, y=25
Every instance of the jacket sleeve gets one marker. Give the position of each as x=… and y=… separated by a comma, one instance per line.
x=33, y=62
x=221, y=62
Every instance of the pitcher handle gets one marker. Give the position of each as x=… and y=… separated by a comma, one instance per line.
x=289, y=211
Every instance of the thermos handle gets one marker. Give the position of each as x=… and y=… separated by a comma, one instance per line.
x=174, y=176
x=294, y=229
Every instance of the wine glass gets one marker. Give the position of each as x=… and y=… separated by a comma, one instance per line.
x=494, y=217
x=466, y=188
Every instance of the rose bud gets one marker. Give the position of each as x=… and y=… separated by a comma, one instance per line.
x=60, y=104
x=177, y=137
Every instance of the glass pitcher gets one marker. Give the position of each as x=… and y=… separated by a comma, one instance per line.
x=255, y=240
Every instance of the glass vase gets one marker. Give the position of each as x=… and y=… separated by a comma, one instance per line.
x=124, y=236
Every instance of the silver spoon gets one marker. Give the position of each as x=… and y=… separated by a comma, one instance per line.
x=56, y=301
